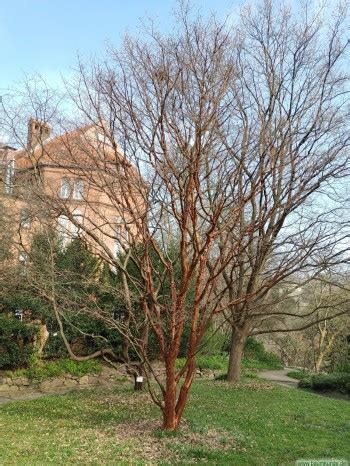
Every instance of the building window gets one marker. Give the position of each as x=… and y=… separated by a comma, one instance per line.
x=118, y=231
x=118, y=228
x=65, y=188
x=121, y=235
x=25, y=219
x=63, y=229
x=78, y=192
x=77, y=223
x=9, y=176
x=116, y=249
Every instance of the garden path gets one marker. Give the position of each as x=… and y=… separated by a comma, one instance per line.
x=279, y=376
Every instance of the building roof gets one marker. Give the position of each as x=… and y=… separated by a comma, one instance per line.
x=6, y=147
x=86, y=147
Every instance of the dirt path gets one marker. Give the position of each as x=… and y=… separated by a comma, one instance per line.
x=4, y=400
x=32, y=395
x=280, y=377
x=26, y=396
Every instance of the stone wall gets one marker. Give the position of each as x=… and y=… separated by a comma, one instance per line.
x=13, y=386
x=17, y=386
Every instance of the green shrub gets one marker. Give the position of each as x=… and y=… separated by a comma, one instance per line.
x=77, y=266
x=305, y=383
x=261, y=364
x=16, y=342
x=55, y=347
x=245, y=375
x=218, y=362
x=258, y=359
x=327, y=382
x=343, y=367
x=221, y=377
x=299, y=375
x=214, y=342
x=336, y=382
x=253, y=348
x=255, y=356
x=249, y=374
x=54, y=369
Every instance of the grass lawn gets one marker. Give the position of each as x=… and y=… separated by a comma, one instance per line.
x=251, y=424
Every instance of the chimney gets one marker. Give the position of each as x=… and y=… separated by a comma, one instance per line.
x=38, y=132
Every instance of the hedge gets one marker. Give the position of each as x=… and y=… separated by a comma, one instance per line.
x=16, y=342
x=327, y=382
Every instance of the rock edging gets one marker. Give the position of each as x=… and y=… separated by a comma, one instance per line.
x=12, y=386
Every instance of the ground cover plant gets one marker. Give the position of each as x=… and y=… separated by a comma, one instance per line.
x=255, y=358
x=253, y=423
x=49, y=369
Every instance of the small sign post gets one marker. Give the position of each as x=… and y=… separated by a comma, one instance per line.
x=138, y=382
x=19, y=314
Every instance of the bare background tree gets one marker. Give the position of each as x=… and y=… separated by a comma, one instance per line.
x=322, y=345
x=290, y=133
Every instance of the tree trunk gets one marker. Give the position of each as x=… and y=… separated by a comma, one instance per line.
x=144, y=338
x=125, y=349
x=174, y=405
x=319, y=361
x=125, y=340
x=41, y=337
x=325, y=351
x=170, y=420
x=238, y=339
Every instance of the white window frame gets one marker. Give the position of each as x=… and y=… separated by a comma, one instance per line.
x=118, y=231
x=76, y=229
x=63, y=229
x=65, y=189
x=78, y=192
x=121, y=236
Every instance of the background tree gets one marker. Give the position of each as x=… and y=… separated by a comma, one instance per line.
x=290, y=133
x=323, y=337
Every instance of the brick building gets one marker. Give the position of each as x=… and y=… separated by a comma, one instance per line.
x=70, y=180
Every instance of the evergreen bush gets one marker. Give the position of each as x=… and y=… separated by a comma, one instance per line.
x=16, y=342
x=328, y=382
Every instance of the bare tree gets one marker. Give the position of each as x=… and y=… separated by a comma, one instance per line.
x=153, y=153
x=323, y=336
x=291, y=115
x=210, y=146
x=324, y=309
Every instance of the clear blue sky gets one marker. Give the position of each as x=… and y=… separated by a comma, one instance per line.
x=45, y=36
